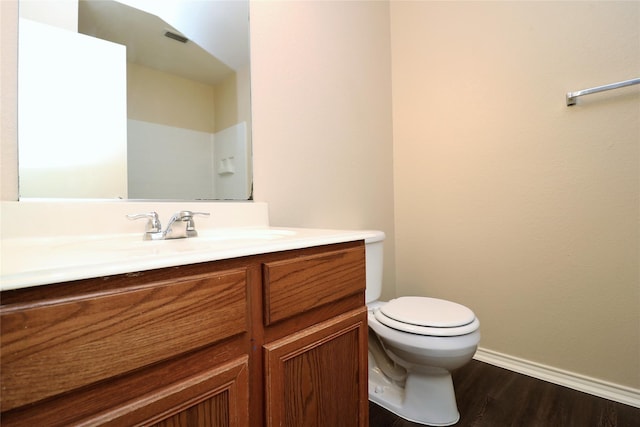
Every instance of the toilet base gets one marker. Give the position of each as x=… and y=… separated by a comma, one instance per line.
x=426, y=398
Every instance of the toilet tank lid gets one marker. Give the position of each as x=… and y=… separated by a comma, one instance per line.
x=372, y=236
x=431, y=312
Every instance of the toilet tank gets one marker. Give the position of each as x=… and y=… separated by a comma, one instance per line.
x=374, y=261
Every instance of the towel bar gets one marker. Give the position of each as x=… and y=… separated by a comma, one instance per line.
x=572, y=96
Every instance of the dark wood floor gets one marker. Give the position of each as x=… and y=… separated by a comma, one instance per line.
x=489, y=396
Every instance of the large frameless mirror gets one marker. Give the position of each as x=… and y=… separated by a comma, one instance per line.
x=134, y=99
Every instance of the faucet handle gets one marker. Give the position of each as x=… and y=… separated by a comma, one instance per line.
x=187, y=216
x=153, y=223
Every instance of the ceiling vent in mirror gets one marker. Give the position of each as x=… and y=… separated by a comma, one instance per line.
x=175, y=36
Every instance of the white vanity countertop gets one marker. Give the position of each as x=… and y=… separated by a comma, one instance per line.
x=38, y=261
x=46, y=242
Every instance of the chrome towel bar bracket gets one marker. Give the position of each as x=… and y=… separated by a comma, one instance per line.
x=573, y=96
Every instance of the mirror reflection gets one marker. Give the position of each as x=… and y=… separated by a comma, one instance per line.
x=134, y=99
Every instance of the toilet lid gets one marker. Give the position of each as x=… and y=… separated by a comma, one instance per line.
x=427, y=316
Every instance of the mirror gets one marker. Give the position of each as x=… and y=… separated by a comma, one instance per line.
x=134, y=99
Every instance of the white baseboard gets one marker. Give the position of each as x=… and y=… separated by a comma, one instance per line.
x=596, y=387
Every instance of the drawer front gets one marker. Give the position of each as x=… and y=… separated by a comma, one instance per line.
x=57, y=346
x=296, y=285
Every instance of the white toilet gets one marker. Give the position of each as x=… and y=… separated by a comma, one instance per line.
x=414, y=344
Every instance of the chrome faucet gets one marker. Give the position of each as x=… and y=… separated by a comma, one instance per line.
x=181, y=225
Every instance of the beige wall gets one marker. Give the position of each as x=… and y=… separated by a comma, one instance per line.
x=226, y=95
x=164, y=98
x=8, y=100
x=322, y=115
x=508, y=201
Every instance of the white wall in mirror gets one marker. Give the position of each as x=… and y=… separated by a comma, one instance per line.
x=232, y=162
x=167, y=162
x=72, y=110
x=59, y=13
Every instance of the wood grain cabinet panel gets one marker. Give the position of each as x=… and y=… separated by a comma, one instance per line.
x=318, y=377
x=216, y=397
x=53, y=346
x=294, y=286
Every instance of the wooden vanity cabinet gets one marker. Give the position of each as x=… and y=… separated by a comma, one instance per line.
x=275, y=339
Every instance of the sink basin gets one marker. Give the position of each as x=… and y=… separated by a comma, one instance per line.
x=259, y=233
x=134, y=245
x=244, y=234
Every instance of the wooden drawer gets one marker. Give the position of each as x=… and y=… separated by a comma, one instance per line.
x=299, y=284
x=52, y=346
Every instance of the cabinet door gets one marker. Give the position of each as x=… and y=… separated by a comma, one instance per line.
x=217, y=397
x=318, y=377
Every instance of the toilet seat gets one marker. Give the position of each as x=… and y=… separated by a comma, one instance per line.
x=427, y=316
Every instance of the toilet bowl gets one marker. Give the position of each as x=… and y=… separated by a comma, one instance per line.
x=414, y=344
